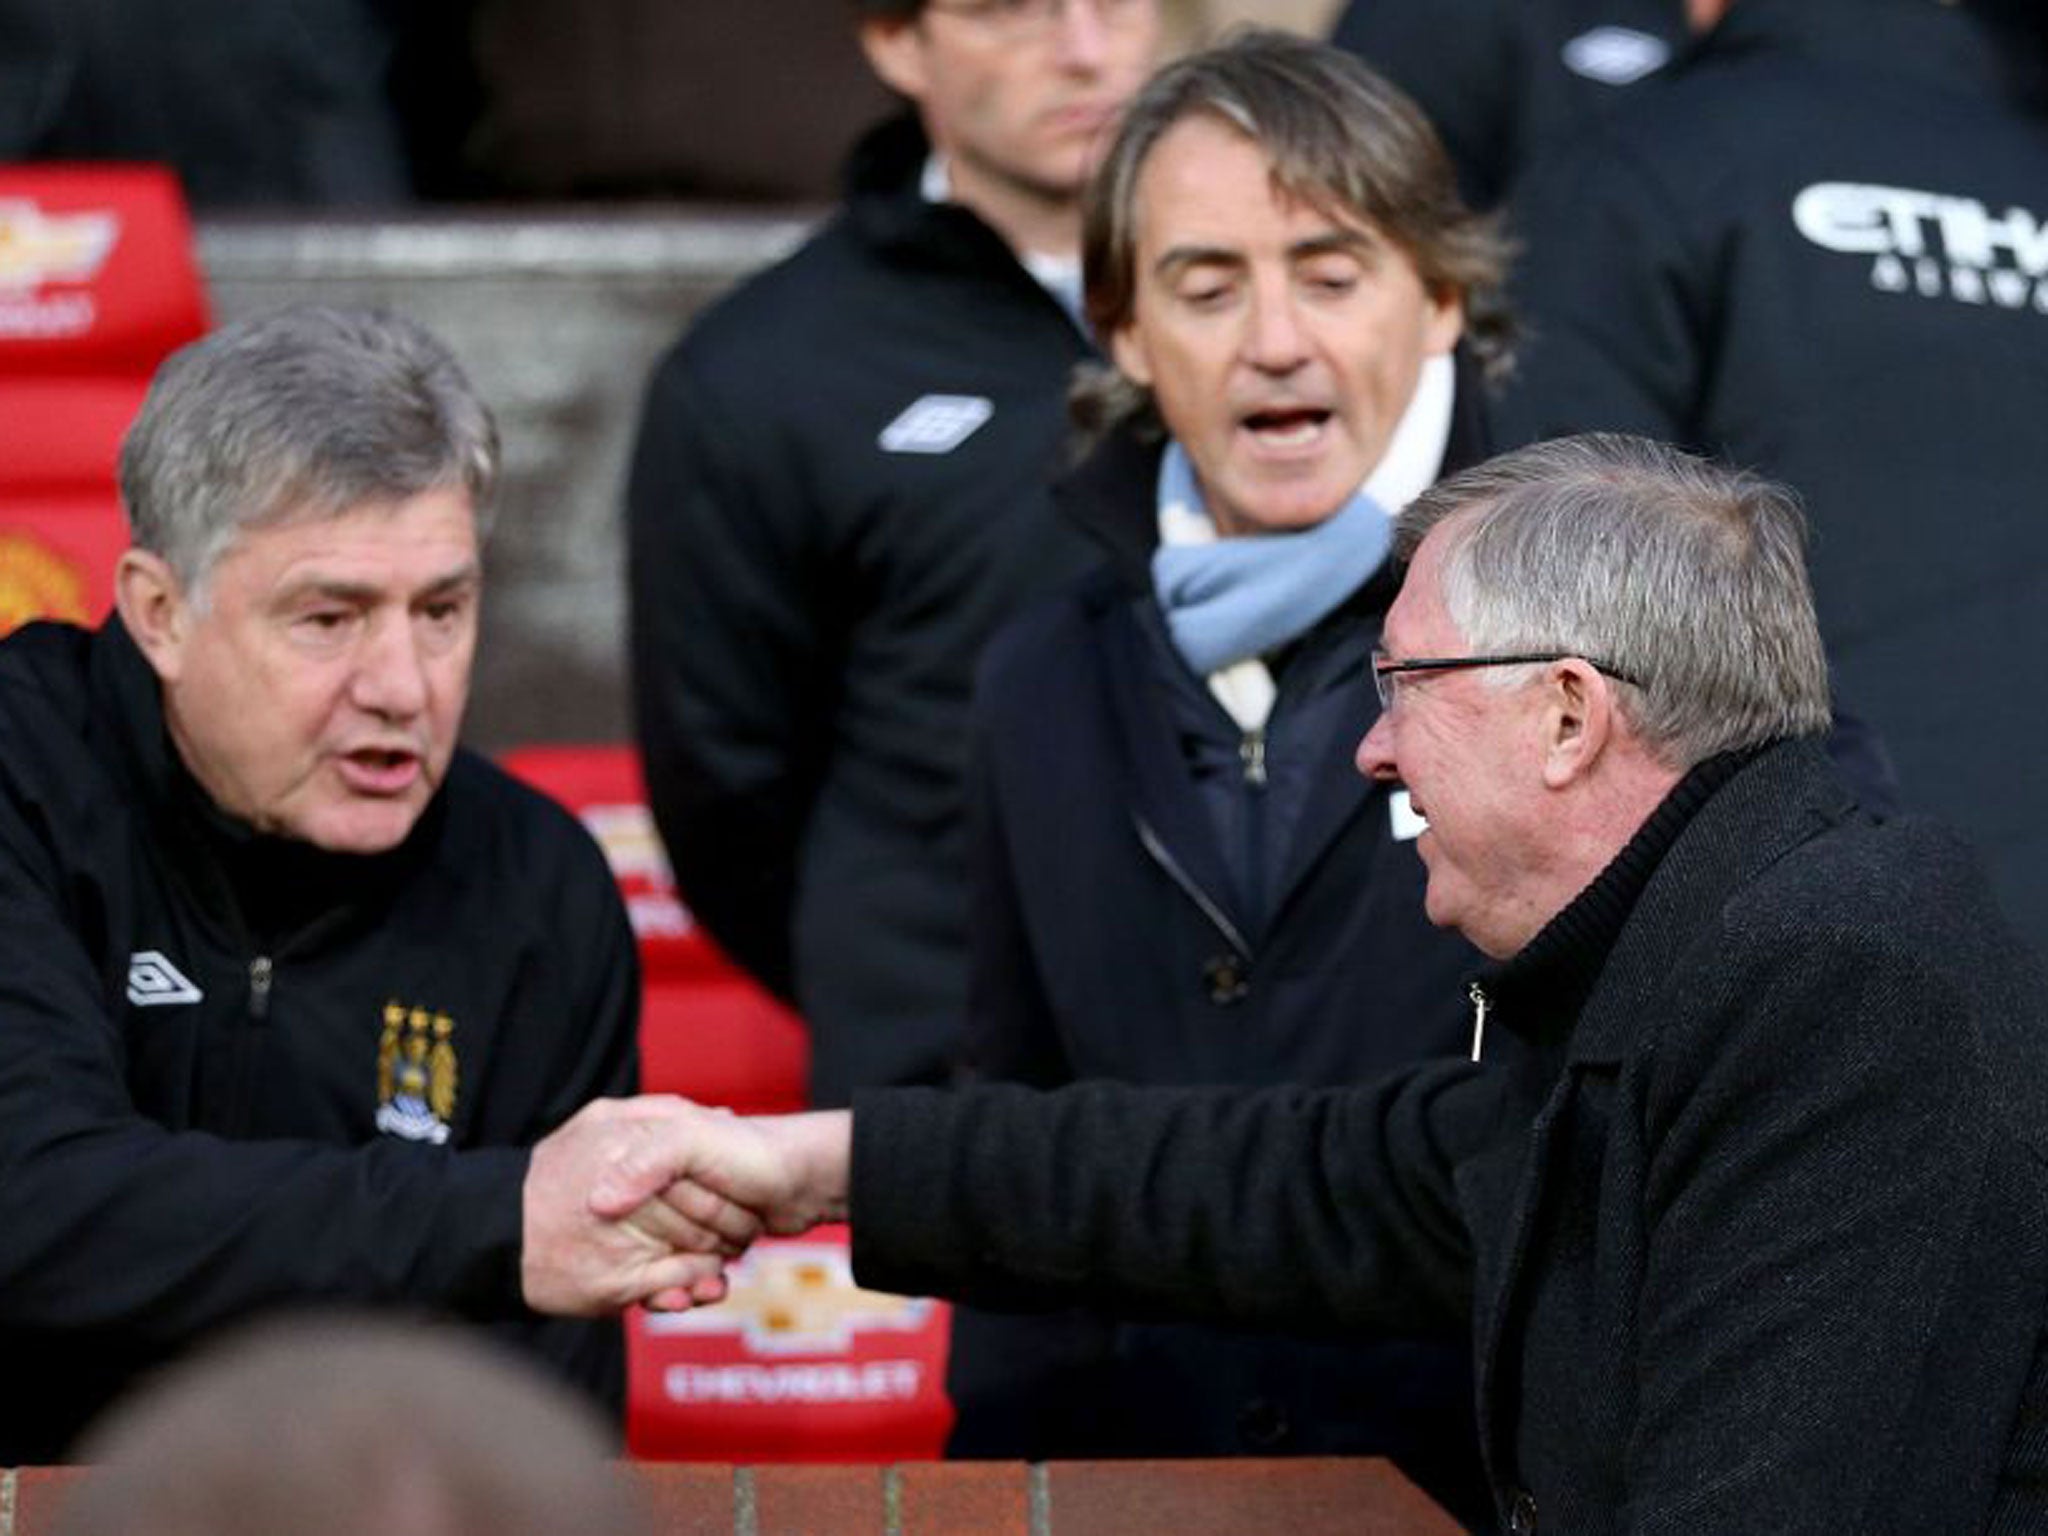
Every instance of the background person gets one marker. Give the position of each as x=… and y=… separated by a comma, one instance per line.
x=839, y=493
x=351, y=1426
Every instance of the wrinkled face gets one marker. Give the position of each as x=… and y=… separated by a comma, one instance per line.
x=1281, y=341
x=317, y=693
x=1017, y=91
x=1468, y=752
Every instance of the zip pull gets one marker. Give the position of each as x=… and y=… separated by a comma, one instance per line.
x=259, y=987
x=1479, y=1006
x=1251, y=751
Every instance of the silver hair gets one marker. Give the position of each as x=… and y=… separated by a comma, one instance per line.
x=296, y=415
x=1686, y=575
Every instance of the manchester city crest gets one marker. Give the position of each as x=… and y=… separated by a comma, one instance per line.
x=416, y=1074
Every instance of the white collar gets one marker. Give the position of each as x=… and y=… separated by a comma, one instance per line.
x=1415, y=453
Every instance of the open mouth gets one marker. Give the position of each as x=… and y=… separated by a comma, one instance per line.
x=1287, y=427
x=380, y=770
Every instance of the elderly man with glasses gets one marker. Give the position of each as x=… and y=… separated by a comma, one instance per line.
x=1745, y=1200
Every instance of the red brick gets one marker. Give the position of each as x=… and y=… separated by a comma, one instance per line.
x=818, y=1501
x=955, y=1498
x=37, y=1493
x=687, y=1499
x=1307, y=1497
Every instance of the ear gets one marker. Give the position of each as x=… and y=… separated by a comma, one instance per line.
x=1128, y=351
x=1577, y=721
x=895, y=49
x=1445, y=322
x=153, y=609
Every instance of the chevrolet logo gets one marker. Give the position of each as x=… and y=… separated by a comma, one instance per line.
x=38, y=248
x=797, y=1298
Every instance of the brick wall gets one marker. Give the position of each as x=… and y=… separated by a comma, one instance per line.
x=1126, y=1498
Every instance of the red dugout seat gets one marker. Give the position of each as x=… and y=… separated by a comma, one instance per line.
x=798, y=1364
x=97, y=284
x=706, y=1030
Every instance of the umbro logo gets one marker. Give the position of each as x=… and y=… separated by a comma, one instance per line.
x=936, y=424
x=153, y=982
x=1616, y=55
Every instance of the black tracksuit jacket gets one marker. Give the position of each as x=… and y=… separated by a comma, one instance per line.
x=205, y=1033
x=810, y=592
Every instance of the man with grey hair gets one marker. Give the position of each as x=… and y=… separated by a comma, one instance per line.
x=298, y=1001
x=1742, y=1193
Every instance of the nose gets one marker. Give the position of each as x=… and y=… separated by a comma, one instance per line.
x=1274, y=342
x=1375, y=754
x=391, y=675
x=1081, y=35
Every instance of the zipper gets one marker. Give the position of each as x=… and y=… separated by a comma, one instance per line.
x=1192, y=891
x=1251, y=752
x=1480, y=1004
x=260, y=970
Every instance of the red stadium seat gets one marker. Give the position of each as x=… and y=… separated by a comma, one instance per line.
x=97, y=284
x=706, y=1030
x=799, y=1364
x=57, y=554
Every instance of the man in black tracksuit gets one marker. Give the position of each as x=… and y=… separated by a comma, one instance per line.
x=839, y=492
x=1815, y=247
x=289, y=985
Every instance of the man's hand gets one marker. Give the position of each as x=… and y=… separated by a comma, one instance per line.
x=727, y=1176
x=587, y=1256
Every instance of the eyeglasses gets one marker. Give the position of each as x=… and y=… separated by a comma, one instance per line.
x=1385, y=669
x=1024, y=19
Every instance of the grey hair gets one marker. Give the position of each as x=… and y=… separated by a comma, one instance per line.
x=1686, y=575
x=295, y=415
x=1340, y=137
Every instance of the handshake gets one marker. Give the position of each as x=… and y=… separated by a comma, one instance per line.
x=643, y=1201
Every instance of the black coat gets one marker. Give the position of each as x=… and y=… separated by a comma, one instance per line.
x=1812, y=246
x=811, y=591
x=1747, y=1208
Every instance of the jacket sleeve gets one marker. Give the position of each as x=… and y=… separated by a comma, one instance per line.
x=1310, y=1211
x=109, y=1221
x=1834, y=1319
x=732, y=657
x=1615, y=296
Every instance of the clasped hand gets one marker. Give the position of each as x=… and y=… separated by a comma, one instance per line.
x=644, y=1201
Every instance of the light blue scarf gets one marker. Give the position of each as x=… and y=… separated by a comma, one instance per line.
x=1237, y=598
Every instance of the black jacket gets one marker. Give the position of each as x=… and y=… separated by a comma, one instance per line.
x=1502, y=79
x=810, y=594
x=1746, y=1208
x=238, y=1074
x=1147, y=910
x=1813, y=247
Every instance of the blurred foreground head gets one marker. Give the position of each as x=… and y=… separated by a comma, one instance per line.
x=351, y=1427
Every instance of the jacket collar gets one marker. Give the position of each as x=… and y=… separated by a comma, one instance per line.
x=1590, y=974
x=887, y=208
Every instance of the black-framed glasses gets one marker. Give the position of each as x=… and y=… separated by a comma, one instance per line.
x=1385, y=668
